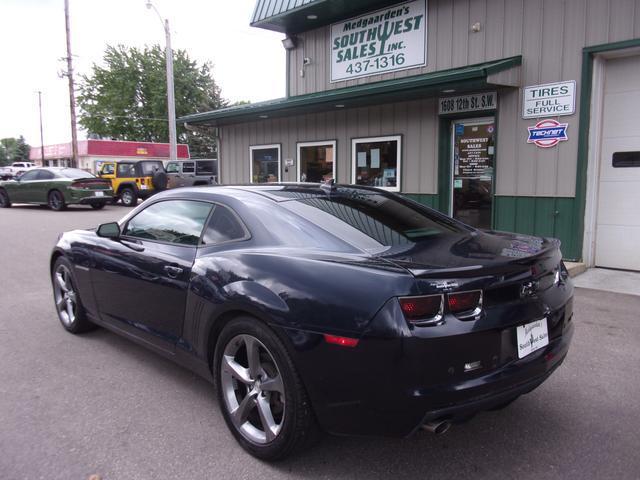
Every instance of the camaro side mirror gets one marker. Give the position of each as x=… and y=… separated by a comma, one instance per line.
x=109, y=230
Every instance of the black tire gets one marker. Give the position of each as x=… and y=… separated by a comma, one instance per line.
x=98, y=206
x=159, y=180
x=5, y=202
x=129, y=197
x=55, y=200
x=294, y=419
x=68, y=304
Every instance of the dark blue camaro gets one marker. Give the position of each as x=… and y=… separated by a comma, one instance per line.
x=342, y=308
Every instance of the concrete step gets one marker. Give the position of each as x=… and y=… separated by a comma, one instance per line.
x=575, y=268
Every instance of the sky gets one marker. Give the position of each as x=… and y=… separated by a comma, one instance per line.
x=248, y=63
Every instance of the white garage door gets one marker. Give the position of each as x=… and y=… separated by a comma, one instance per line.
x=618, y=223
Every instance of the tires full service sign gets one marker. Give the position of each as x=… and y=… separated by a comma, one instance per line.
x=549, y=100
x=547, y=133
x=387, y=40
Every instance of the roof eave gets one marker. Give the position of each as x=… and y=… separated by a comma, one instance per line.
x=473, y=76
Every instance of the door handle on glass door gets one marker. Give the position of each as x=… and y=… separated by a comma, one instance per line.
x=173, y=272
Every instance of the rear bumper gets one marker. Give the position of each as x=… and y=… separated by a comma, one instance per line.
x=146, y=193
x=86, y=197
x=505, y=384
x=391, y=386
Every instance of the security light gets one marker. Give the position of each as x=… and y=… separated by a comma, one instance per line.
x=289, y=43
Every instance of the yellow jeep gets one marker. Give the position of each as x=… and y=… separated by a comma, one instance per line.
x=131, y=180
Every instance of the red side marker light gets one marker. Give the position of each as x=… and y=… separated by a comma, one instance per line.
x=342, y=341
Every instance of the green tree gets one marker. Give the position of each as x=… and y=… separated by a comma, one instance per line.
x=14, y=150
x=126, y=99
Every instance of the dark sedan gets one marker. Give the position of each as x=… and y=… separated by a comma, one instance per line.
x=322, y=307
x=56, y=187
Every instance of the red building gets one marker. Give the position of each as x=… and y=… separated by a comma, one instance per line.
x=92, y=153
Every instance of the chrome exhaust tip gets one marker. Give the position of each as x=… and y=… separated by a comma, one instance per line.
x=437, y=426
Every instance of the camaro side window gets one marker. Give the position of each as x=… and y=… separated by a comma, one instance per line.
x=174, y=221
x=223, y=227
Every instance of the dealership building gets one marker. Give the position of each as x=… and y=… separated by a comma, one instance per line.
x=93, y=153
x=516, y=115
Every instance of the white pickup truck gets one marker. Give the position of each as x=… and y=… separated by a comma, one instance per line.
x=15, y=170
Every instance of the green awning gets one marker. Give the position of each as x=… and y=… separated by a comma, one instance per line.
x=465, y=79
x=293, y=16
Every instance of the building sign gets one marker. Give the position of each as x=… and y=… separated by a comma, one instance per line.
x=547, y=133
x=549, y=100
x=468, y=103
x=387, y=40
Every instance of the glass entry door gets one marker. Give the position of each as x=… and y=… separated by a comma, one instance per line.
x=472, y=175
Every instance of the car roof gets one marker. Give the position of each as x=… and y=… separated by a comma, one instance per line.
x=278, y=192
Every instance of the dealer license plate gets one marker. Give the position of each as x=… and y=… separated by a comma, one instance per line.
x=99, y=194
x=531, y=337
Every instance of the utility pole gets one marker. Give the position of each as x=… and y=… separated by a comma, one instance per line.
x=72, y=95
x=171, y=103
x=41, y=134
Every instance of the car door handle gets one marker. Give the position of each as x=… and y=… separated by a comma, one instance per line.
x=132, y=244
x=172, y=272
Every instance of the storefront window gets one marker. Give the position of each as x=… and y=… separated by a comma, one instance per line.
x=316, y=161
x=376, y=162
x=265, y=163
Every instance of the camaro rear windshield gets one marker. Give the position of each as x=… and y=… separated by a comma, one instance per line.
x=372, y=220
x=75, y=173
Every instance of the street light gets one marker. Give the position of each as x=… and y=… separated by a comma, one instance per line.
x=171, y=103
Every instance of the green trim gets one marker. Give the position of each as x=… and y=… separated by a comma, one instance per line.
x=586, y=87
x=541, y=216
x=444, y=164
x=290, y=16
x=473, y=76
x=428, y=200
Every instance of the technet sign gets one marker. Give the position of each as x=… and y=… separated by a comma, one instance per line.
x=549, y=100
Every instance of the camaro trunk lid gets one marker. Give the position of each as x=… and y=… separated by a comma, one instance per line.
x=474, y=254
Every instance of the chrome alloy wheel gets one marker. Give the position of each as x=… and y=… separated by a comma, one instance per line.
x=65, y=296
x=252, y=389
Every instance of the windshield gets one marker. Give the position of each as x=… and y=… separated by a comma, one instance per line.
x=371, y=221
x=74, y=173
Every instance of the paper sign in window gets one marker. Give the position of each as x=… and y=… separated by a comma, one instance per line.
x=375, y=158
x=362, y=159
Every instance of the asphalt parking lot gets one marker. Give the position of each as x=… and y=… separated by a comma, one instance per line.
x=73, y=406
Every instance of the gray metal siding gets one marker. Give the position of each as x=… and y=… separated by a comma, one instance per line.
x=549, y=34
x=415, y=121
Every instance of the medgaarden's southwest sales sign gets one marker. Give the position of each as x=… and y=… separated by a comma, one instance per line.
x=387, y=40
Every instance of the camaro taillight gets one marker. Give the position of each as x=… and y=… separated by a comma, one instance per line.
x=422, y=310
x=465, y=304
